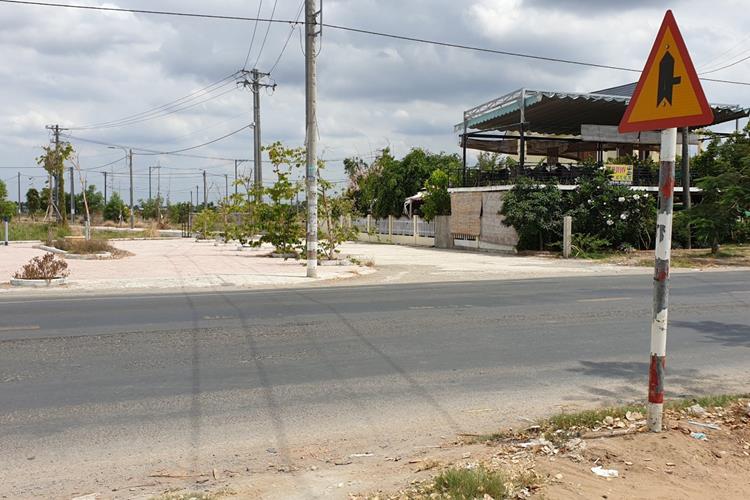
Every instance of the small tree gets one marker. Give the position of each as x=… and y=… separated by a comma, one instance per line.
x=437, y=201
x=53, y=161
x=279, y=219
x=332, y=210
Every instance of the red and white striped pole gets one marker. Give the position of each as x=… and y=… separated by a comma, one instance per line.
x=661, y=280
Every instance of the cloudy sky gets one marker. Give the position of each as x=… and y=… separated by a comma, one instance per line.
x=79, y=68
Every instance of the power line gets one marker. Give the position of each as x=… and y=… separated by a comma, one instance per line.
x=727, y=66
x=169, y=110
x=357, y=30
x=252, y=39
x=268, y=29
x=289, y=37
x=153, y=152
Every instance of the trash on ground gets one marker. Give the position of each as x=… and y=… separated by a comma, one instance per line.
x=699, y=435
x=696, y=410
x=604, y=472
x=707, y=426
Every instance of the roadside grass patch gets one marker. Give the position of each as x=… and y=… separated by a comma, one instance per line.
x=721, y=400
x=470, y=483
x=35, y=231
x=587, y=418
x=192, y=495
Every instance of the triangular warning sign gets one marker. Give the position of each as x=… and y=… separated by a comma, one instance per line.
x=669, y=93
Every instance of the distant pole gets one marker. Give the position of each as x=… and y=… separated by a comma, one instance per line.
x=235, y=176
x=311, y=133
x=19, y=193
x=567, y=236
x=661, y=280
x=158, y=194
x=130, y=165
x=105, y=187
x=205, y=192
x=257, y=145
x=149, y=183
x=226, y=186
x=197, y=203
x=686, y=201
x=72, y=196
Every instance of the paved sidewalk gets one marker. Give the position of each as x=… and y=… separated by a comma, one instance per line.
x=176, y=264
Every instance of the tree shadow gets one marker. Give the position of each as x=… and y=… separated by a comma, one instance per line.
x=728, y=334
x=633, y=380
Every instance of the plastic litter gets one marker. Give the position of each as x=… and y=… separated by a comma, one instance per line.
x=707, y=426
x=699, y=435
x=605, y=472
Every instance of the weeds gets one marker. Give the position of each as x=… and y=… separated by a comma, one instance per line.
x=43, y=268
x=470, y=483
x=83, y=247
x=34, y=231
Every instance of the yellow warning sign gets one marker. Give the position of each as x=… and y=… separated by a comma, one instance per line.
x=669, y=93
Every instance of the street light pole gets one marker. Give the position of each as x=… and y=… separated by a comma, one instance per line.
x=132, y=214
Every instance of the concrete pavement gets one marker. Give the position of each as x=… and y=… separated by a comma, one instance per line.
x=101, y=392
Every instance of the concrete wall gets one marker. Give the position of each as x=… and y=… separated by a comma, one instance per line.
x=493, y=231
x=443, y=232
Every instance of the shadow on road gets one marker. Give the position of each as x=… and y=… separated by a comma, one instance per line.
x=728, y=334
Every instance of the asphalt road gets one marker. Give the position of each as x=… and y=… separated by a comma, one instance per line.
x=95, y=391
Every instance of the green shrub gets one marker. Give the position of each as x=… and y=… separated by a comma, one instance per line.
x=470, y=483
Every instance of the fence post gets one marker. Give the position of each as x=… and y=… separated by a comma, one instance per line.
x=390, y=228
x=369, y=226
x=567, y=236
x=415, y=225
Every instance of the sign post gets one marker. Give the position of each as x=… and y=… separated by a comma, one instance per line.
x=668, y=95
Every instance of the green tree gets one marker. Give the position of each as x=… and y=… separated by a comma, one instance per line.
x=437, y=200
x=116, y=210
x=7, y=208
x=281, y=223
x=94, y=199
x=724, y=167
x=395, y=180
x=535, y=211
x=33, y=201
x=331, y=212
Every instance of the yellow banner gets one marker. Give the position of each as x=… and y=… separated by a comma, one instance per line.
x=621, y=174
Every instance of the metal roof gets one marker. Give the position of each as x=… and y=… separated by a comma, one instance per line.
x=563, y=113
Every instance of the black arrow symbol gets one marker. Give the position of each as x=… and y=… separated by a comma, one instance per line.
x=667, y=79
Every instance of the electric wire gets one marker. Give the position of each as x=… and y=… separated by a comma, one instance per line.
x=360, y=31
x=265, y=38
x=252, y=39
x=289, y=37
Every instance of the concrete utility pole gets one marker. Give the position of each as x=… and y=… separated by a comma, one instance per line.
x=19, y=193
x=72, y=196
x=149, y=183
x=255, y=85
x=226, y=186
x=158, y=193
x=105, y=187
x=205, y=192
x=235, y=176
x=686, y=201
x=311, y=134
x=130, y=165
x=661, y=280
x=196, y=197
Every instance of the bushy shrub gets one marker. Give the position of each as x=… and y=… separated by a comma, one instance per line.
x=83, y=247
x=46, y=267
x=535, y=211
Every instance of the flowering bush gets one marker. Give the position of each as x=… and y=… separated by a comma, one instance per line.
x=613, y=213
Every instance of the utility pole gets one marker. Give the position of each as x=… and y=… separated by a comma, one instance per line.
x=105, y=187
x=235, y=176
x=158, y=193
x=311, y=133
x=205, y=192
x=226, y=187
x=72, y=196
x=196, y=197
x=132, y=214
x=57, y=193
x=149, y=183
x=661, y=279
x=19, y=193
x=686, y=201
x=255, y=85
